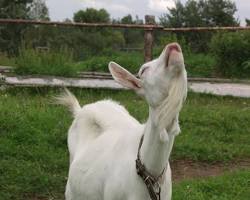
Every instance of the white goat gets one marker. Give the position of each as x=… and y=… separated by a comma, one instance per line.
x=103, y=139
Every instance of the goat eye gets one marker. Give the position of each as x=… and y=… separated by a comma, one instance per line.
x=144, y=69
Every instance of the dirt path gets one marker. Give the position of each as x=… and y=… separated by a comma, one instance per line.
x=233, y=89
x=188, y=169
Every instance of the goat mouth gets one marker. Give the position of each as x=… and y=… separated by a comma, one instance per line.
x=172, y=48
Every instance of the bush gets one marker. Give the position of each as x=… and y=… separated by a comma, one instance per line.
x=232, y=53
x=246, y=65
x=58, y=63
x=5, y=60
x=130, y=61
x=200, y=65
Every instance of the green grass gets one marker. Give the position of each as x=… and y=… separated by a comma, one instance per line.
x=231, y=186
x=31, y=62
x=6, y=60
x=131, y=61
x=33, y=150
x=61, y=63
x=200, y=65
x=214, y=128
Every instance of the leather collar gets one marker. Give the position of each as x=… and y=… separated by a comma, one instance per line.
x=151, y=182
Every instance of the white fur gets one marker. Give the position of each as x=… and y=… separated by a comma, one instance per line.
x=103, y=138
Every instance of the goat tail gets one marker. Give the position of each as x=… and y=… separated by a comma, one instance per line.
x=69, y=100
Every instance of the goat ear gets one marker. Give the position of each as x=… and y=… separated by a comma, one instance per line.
x=124, y=77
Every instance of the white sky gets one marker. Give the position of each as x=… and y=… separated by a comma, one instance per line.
x=62, y=9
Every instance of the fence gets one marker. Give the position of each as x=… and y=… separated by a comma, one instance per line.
x=148, y=27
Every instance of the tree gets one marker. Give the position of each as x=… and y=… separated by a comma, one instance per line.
x=10, y=35
x=198, y=13
x=248, y=22
x=201, y=13
x=94, y=40
x=37, y=36
x=131, y=36
x=192, y=14
x=128, y=19
x=218, y=12
x=14, y=9
x=91, y=15
x=175, y=17
x=38, y=10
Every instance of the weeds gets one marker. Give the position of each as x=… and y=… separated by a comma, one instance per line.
x=131, y=61
x=59, y=63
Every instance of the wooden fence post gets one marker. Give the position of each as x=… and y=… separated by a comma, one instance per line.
x=149, y=38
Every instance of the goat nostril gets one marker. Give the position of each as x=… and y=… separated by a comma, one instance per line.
x=174, y=47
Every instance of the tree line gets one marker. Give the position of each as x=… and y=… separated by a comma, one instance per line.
x=89, y=41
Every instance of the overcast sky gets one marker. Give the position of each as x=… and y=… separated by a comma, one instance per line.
x=62, y=9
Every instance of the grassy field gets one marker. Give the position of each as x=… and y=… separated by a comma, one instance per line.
x=231, y=186
x=61, y=63
x=33, y=151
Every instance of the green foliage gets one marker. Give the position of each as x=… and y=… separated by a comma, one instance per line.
x=88, y=41
x=248, y=22
x=131, y=61
x=232, y=53
x=82, y=42
x=175, y=18
x=197, y=14
x=200, y=65
x=219, y=12
x=96, y=41
x=14, y=9
x=10, y=36
x=246, y=65
x=128, y=19
x=99, y=64
x=59, y=63
x=43, y=36
x=91, y=15
x=201, y=13
x=38, y=10
x=132, y=37
x=5, y=60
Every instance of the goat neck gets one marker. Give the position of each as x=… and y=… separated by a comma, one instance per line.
x=162, y=127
